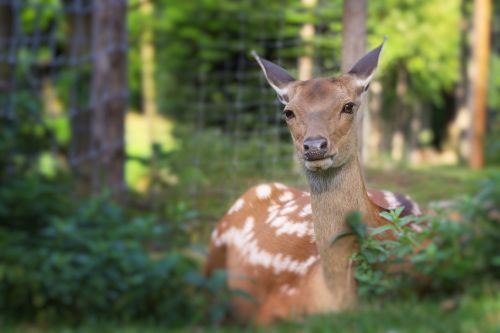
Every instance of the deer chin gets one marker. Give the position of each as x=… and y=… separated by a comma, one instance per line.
x=317, y=165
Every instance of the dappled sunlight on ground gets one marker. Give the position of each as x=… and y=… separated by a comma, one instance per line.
x=141, y=133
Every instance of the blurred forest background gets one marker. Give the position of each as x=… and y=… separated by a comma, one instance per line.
x=128, y=127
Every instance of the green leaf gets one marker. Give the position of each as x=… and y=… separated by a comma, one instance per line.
x=387, y=216
x=342, y=234
x=355, y=223
x=397, y=212
x=381, y=230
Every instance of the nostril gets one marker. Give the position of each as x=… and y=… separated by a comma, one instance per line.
x=315, y=143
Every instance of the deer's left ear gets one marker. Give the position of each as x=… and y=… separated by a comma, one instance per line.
x=364, y=69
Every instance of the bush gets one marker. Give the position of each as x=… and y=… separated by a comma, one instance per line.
x=62, y=260
x=457, y=249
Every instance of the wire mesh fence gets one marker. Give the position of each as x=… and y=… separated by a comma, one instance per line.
x=216, y=126
x=64, y=86
x=228, y=121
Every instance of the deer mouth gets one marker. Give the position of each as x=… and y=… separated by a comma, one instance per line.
x=319, y=164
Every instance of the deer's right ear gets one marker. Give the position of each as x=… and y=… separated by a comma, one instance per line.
x=277, y=77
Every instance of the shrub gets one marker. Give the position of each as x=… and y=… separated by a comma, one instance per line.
x=457, y=248
x=62, y=260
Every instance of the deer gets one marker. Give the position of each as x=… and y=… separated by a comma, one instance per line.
x=275, y=242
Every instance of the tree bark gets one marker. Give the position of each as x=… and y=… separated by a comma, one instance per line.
x=456, y=142
x=398, y=145
x=353, y=32
x=306, y=66
x=353, y=48
x=109, y=94
x=479, y=80
x=374, y=134
x=6, y=34
x=79, y=47
x=148, y=70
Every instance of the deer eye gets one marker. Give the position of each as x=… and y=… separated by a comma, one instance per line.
x=348, y=108
x=288, y=114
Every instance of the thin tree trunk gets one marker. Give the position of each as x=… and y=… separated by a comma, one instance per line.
x=6, y=30
x=479, y=80
x=456, y=142
x=353, y=32
x=414, y=129
x=400, y=116
x=109, y=94
x=374, y=134
x=307, y=34
x=79, y=43
x=353, y=48
x=148, y=70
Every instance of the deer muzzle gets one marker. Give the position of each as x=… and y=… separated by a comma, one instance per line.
x=315, y=148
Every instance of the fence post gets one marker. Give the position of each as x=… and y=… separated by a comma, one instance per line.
x=109, y=94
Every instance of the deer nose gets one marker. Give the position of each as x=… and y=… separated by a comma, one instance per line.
x=315, y=148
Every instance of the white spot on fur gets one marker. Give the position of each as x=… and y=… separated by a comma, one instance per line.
x=287, y=196
x=300, y=229
x=289, y=209
x=284, y=225
x=287, y=290
x=306, y=211
x=244, y=240
x=237, y=206
x=415, y=209
x=392, y=201
x=280, y=186
x=263, y=191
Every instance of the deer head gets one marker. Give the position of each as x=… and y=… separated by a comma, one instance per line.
x=321, y=113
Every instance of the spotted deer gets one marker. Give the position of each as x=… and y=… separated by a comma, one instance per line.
x=275, y=241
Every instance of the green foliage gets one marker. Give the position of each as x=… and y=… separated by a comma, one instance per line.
x=68, y=260
x=455, y=249
x=423, y=38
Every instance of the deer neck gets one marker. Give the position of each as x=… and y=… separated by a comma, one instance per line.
x=335, y=193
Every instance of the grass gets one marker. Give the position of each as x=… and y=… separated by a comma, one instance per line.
x=424, y=185
x=469, y=314
x=431, y=183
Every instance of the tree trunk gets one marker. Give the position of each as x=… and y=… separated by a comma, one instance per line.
x=148, y=70
x=353, y=48
x=109, y=94
x=79, y=48
x=306, y=35
x=398, y=145
x=6, y=34
x=353, y=32
x=374, y=134
x=479, y=80
x=456, y=143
